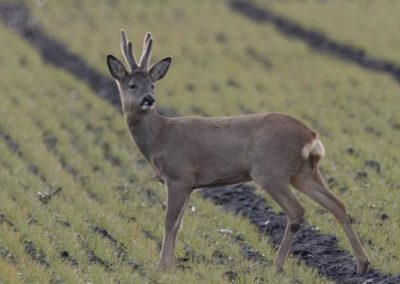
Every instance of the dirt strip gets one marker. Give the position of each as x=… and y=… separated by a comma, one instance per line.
x=315, y=249
x=315, y=39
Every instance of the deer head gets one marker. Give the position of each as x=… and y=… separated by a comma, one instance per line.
x=136, y=85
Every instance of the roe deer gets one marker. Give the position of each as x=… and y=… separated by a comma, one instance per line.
x=272, y=149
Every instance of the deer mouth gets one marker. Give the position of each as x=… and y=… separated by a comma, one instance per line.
x=147, y=102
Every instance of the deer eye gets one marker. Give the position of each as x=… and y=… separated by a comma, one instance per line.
x=152, y=86
x=132, y=86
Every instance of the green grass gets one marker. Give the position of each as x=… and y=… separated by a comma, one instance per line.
x=336, y=98
x=365, y=24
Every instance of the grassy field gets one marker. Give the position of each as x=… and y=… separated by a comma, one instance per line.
x=106, y=222
x=366, y=24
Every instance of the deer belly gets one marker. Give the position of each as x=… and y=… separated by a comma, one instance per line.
x=213, y=177
x=226, y=181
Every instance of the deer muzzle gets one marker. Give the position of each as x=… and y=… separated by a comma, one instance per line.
x=147, y=102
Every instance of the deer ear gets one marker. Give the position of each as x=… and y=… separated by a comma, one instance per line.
x=117, y=69
x=159, y=69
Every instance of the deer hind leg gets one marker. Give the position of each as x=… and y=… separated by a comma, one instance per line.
x=310, y=182
x=177, y=197
x=278, y=189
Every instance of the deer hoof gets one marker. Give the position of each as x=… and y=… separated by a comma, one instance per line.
x=278, y=268
x=363, y=267
x=165, y=267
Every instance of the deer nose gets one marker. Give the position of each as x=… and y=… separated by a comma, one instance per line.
x=148, y=101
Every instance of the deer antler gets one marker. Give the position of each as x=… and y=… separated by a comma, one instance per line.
x=127, y=51
x=145, y=58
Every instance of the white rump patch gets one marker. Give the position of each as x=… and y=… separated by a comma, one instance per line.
x=314, y=148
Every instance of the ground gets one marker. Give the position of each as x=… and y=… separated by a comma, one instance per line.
x=78, y=201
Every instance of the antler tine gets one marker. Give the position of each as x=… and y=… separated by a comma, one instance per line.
x=146, y=39
x=127, y=51
x=147, y=45
x=131, y=55
x=124, y=46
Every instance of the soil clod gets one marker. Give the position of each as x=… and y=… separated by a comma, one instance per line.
x=46, y=196
x=68, y=258
x=36, y=254
x=361, y=176
x=374, y=165
x=231, y=276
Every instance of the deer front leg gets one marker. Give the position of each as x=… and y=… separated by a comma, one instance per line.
x=177, y=197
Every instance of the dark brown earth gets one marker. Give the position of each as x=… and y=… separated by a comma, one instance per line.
x=120, y=250
x=313, y=248
x=37, y=255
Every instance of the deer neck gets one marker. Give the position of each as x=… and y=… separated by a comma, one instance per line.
x=144, y=129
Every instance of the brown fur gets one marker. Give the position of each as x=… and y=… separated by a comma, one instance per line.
x=273, y=149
